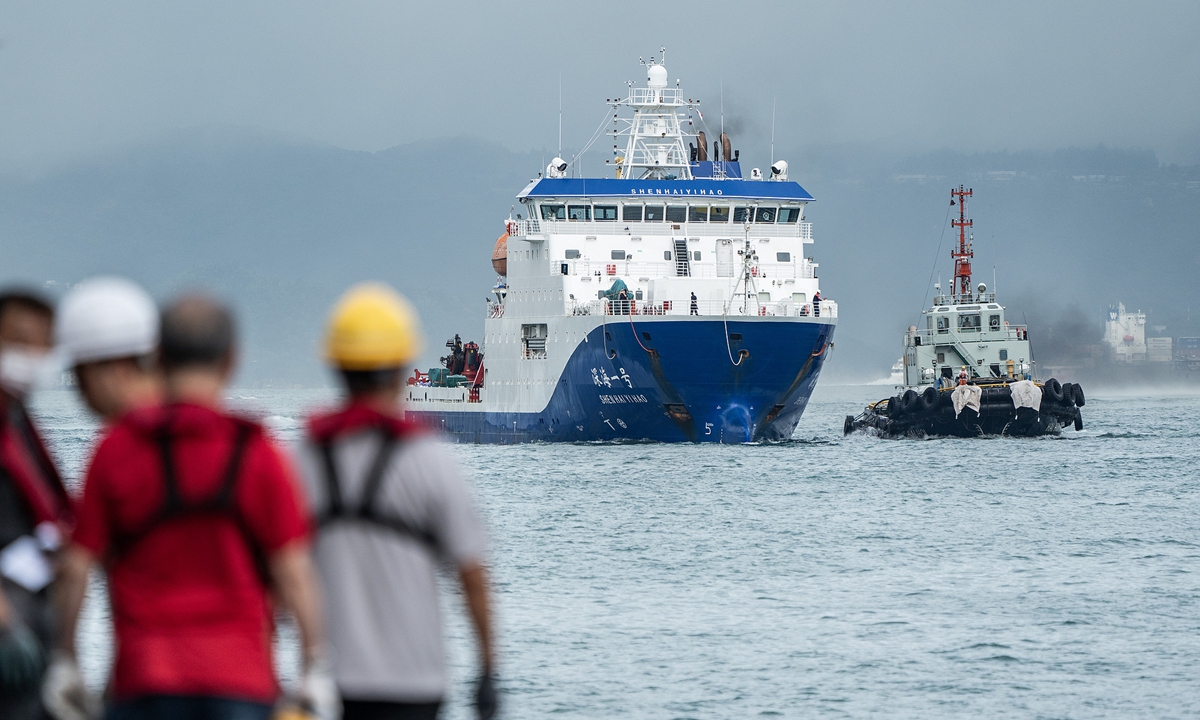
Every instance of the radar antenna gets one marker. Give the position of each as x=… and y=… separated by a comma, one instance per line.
x=963, y=253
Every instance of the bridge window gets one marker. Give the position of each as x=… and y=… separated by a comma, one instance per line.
x=943, y=324
x=605, y=212
x=572, y=254
x=789, y=215
x=618, y=254
x=631, y=212
x=765, y=214
x=676, y=213
x=579, y=212
x=741, y=215
x=654, y=213
x=968, y=323
x=718, y=214
x=783, y=257
x=697, y=214
x=554, y=212
x=994, y=323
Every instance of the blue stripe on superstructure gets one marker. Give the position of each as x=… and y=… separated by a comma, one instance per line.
x=667, y=367
x=610, y=187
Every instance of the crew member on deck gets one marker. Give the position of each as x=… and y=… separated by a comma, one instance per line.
x=817, y=304
x=962, y=375
x=390, y=505
x=695, y=309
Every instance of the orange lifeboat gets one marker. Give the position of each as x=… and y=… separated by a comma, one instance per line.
x=500, y=255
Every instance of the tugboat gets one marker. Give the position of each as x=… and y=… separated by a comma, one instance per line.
x=674, y=300
x=968, y=372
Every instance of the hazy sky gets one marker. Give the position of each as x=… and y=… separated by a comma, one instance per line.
x=78, y=76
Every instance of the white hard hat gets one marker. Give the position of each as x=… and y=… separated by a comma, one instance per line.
x=105, y=318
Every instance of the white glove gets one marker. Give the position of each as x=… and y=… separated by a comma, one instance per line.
x=318, y=690
x=63, y=691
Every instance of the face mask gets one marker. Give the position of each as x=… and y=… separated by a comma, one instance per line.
x=21, y=369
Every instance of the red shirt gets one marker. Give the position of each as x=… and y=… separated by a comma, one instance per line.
x=190, y=609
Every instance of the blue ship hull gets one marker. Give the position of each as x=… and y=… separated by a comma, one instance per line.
x=676, y=380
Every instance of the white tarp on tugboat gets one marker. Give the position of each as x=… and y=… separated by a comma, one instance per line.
x=966, y=396
x=1026, y=394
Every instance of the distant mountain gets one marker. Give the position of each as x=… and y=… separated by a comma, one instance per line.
x=281, y=226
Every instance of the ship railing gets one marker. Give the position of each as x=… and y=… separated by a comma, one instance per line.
x=706, y=308
x=655, y=96
x=733, y=231
x=954, y=336
x=526, y=228
x=612, y=269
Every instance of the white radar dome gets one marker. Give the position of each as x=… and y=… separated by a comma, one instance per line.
x=657, y=76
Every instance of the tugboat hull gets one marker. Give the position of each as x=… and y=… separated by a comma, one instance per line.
x=932, y=414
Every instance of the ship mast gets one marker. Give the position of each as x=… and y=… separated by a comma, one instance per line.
x=963, y=253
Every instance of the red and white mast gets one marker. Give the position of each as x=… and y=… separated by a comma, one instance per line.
x=963, y=253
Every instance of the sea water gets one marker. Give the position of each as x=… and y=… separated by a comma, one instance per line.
x=821, y=577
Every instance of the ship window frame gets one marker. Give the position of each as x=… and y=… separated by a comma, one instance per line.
x=740, y=213
x=677, y=213
x=696, y=255
x=596, y=209
x=587, y=213
x=667, y=255
x=718, y=214
x=617, y=255
x=1004, y=353
x=548, y=211
x=571, y=254
x=660, y=210
x=698, y=213
x=783, y=257
x=792, y=215
x=965, y=323
x=631, y=212
x=771, y=211
x=943, y=324
x=994, y=323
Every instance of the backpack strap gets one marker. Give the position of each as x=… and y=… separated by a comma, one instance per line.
x=174, y=507
x=368, y=507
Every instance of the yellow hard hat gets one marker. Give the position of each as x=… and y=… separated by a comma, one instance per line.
x=372, y=327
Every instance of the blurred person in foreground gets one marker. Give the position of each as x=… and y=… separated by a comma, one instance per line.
x=390, y=504
x=35, y=510
x=196, y=517
x=107, y=331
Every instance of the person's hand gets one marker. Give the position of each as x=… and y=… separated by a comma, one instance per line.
x=63, y=692
x=318, y=690
x=487, y=703
x=21, y=659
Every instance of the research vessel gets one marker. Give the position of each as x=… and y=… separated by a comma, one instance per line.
x=966, y=371
x=672, y=300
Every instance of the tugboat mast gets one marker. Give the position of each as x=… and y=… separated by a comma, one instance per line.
x=963, y=253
